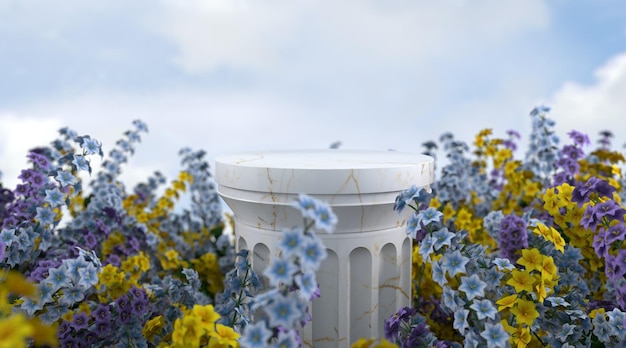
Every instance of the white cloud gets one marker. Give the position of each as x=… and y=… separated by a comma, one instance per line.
x=597, y=106
x=19, y=134
x=269, y=34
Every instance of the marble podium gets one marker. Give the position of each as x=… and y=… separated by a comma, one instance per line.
x=367, y=275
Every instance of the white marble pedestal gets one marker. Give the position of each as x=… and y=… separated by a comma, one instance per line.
x=367, y=275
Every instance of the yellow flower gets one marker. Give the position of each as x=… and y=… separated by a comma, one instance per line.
x=448, y=211
x=531, y=259
x=17, y=284
x=385, y=344
x=506, y=302
x=531, y=189
x=525, y=312
x=559, y=242
x=434, y=203
x=185, y=176
x=548, y=268
x=551, y=201
x=207, y=315
x=152, y=326
x=521, y=337
x=463, y=219
x=192, y=330
x=501, y=156
x=521, y=280
x=565, y=194
x=362, y=343
x=43, y=334
x=541, y=290
x=225, y=337
x=14, y=331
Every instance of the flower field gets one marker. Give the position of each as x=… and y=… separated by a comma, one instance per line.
x=507, y=252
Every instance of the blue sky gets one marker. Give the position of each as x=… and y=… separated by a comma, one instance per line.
x=236, y=75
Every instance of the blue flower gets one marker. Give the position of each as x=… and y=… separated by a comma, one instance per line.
x=454, y=263
x=306, y=205
x=412, y=226
x=565, y=331
x=313, y=253
x=439, y=275
x=46, y=291
x=473, y=286
x=557, y=301
x=287, y=339
x=616, y=322
x=495, y=335
x=451, y=299
x=492, y=277
x=460, y=320
x=54, y=197
x=291, y=241
x=283, y=311
x=255, y=335
x=30, y=306
x=65, y=178
x=324, y=218
x=88, y=276
x=307, y=284
x=442, y=237
x=484, y=309
x=280, y=271
x=413, y=194
x=45, y=216
x=73, y=267
x=427, y=246
x=7, y=236
x=141, y=126
x=72, y=295
x=91, y=146
x=58, y=278
x=81, y=163
x=503, y=263
x=429, y=215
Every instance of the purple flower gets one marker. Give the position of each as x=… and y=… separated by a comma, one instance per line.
x=64, y=329
x=512, y=235
x=579, y=138
x=573, y=152
x=80, y=321
x=114, y=260
x=90, y=241
x=102, y=328
x=600, y=244
x=616, y=233
x=590, y=220
x=123, y=303
x=569, y=165
x=37, y=180
x=417, y=337
x=392, y=325
x=611, y=210
x=102, y=314
x=619, y=264
x=581, y=193
x=138, y=307
x=125, y=316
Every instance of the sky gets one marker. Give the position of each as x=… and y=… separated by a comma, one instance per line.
x=231, y=76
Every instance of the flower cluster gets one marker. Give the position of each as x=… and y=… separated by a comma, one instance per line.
x=283, y=308
x=530, y=253
x=109, y=266
x=506, y=252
